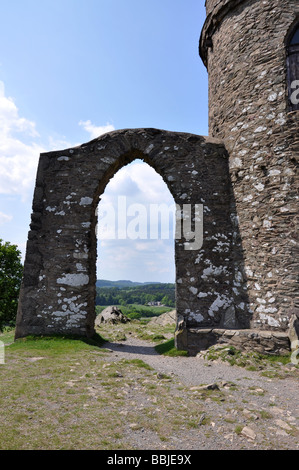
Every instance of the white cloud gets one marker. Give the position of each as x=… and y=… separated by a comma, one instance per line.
x=10, y=119
x=152, y=260
x=18, y=159
x=4, y=218
x=96, y=131
x=150, y=183
x=140, y=183
x=20, y=147
x=139, y=194
x=135, y=259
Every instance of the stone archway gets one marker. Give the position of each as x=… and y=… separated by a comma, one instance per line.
x=58, y=289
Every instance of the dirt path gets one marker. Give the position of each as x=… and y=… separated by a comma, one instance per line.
x=257, y=412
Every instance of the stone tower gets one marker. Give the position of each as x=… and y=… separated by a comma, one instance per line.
x=251, y=51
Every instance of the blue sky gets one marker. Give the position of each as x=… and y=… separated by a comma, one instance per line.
x=71, y=70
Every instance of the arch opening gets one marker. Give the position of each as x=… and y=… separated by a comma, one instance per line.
x=135, y=244
x=137, y=208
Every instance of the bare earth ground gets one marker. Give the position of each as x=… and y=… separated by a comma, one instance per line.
x=249, y=412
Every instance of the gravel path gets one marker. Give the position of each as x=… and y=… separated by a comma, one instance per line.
x=255, y=397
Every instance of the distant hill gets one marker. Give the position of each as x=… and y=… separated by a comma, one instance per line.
x=122, y=283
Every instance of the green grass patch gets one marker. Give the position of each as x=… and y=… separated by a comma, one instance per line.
x=136, y=311
x=138, y=363
x=251, y=361
x=53, y=345
x=238, y=429
x=8, y=336
x=168, y=349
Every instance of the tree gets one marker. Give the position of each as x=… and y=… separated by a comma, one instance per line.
x=11, y=271
x=167, y=301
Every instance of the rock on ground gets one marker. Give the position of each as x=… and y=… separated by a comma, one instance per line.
x=167, y=318
x=111, y=314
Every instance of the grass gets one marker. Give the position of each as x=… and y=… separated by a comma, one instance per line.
x=141, y=329
x=268, y=365
x=58, y=344
x=238, y=429
x=138, y=363
x=142, y=310
x=61, y=392
x=168, y=349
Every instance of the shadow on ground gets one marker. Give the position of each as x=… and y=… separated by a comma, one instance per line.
x=131, y=349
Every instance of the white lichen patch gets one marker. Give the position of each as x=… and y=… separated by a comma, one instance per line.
x=248, y=271
x=260, y=129
x=74, y=280
x=149, y=148
x=280, y=120
x=222, y=301
x=269, y=320
x=221, y=247
x=80, y=267
x=193, y=290
x=80, y=255
x=259, y=186
x=267, y=223
x=272, y=97
x=196, y=316
x=75, y=318
x=202, y=294
x=63, y=158
x=213, y=271
x=85, y=201
x=274, y=172
x=198, y=258
x=235, y=163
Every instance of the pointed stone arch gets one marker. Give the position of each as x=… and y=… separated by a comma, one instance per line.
x=58, y=288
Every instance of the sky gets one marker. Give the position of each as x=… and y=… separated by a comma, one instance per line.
x=71, y=70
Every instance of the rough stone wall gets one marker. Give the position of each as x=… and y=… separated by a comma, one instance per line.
x=261, y=341
x=58, y=288
x=243, y=46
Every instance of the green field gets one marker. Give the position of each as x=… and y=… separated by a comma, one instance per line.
x=136, y=311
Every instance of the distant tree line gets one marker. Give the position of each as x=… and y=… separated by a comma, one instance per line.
x=142, y=295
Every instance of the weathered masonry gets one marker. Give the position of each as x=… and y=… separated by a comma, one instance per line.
x=250, y=48
x=241, y=286
x=58, y=292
